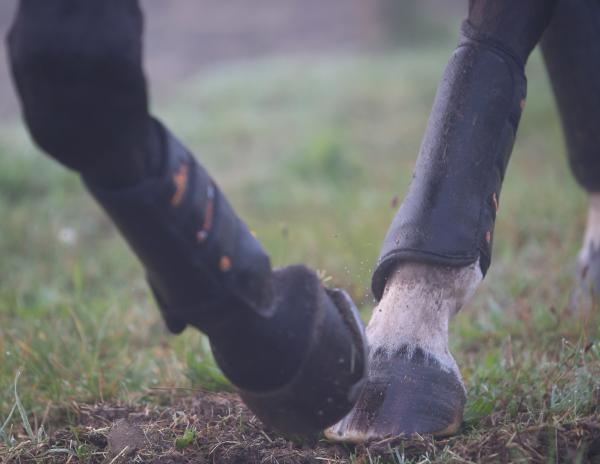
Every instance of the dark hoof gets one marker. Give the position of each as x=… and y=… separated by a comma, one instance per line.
x=406, y=393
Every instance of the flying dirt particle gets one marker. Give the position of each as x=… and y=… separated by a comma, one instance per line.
x=180, y=180
x=67, y=236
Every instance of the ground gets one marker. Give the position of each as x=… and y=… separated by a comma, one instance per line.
x=315, y=154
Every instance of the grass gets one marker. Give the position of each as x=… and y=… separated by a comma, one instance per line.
x=314, y=154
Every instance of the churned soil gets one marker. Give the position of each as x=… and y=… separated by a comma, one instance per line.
x=218, y=428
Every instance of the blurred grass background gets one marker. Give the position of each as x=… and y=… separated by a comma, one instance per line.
x=314, y=151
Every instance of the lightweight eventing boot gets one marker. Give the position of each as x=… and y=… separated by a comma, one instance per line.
x=294, y=349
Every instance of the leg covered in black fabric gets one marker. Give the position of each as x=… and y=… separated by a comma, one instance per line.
x=439, y=245
x=571, y=49
x=294, y=349
x=77, y=67
x=447, y=217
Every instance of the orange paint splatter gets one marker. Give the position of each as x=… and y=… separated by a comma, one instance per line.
x=225, y=264
x=180, y=179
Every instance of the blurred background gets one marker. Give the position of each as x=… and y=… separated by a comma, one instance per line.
x=188, y=36
x=309, y=113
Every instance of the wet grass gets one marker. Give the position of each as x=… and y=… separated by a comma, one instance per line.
x=314, y=155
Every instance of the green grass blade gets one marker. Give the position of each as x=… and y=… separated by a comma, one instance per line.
x=22, y=412
x=3, y=436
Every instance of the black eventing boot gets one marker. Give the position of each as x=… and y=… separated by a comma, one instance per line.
x=295, y=350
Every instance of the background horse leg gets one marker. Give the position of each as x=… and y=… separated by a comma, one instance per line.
x=571, y=49
x=439, y=246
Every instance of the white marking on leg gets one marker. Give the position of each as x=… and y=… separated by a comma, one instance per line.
x=416, y=307
x=591, y=238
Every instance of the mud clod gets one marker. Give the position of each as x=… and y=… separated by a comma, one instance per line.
x=125, y=435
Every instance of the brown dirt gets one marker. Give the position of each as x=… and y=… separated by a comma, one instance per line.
x=225, y=432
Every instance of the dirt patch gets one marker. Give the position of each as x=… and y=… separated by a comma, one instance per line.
x=124, y=436
x=218, y=428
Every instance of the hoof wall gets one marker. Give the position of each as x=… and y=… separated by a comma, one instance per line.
x=406, y=393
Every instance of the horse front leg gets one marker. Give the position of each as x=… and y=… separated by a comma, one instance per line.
x=294, y=349
x=438, y=247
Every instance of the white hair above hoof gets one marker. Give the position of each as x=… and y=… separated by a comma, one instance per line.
x=585, y=295
x=414, y=384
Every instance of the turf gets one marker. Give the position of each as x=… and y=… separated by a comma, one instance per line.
x=315, y=154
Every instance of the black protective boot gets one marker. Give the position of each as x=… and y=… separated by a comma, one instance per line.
x=448, y=215
x=295, y=350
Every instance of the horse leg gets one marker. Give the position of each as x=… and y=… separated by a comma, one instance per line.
x=571, y=50
x=294, y=349
x=438, y=247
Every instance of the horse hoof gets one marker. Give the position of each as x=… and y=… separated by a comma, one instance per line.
x=585, y=295
x=406, y=393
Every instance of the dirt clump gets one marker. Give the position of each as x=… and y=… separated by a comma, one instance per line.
x=125, y=435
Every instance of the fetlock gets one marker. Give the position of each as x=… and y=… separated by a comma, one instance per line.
x=415, y=311
x=413, y=383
